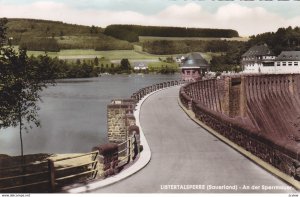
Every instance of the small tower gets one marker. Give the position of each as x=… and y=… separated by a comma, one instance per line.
x=194, y=67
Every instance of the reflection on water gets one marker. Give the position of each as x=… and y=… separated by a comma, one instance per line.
x=73, y=114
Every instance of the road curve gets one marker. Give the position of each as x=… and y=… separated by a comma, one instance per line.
x=185, y=154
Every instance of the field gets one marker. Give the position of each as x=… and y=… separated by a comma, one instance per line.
x=113, y=55
x=152, y=38
x=157, y=66
x=89, y=53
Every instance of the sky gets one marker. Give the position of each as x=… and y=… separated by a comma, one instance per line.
x=247, y=17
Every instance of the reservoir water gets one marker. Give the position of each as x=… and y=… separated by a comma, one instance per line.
x=73, y=114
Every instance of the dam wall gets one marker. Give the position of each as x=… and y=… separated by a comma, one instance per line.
x=259, y=113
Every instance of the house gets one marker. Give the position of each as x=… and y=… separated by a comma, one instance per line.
x=258, y=59
x=288, y=62
x=194, y=67
x=140, y=67
x=180, y=59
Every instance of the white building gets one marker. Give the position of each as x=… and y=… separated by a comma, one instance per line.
x=180, y=59
x=288, y=62
x=258, y=59
x=139, y=66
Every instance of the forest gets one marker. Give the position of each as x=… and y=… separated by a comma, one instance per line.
x=131, y=33
x=163, y=47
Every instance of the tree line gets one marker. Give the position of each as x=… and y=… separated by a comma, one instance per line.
x=284, y=39
x=164, y=47
x=131, y=33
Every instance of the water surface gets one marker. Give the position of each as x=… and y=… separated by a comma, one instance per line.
x=73, y=114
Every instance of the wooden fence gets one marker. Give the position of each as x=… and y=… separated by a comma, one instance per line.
x=50, y=175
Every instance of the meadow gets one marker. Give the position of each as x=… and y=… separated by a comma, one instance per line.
x=90, y=53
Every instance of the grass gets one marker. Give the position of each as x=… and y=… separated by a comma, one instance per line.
x=101, y=42
x=152, y=38
x=90, y=53
x=157, y=66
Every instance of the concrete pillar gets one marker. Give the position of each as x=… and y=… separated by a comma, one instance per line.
x=225, y=100
x=291, y=84
x=243, y=97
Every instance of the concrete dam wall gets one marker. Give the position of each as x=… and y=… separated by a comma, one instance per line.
x=259, y=113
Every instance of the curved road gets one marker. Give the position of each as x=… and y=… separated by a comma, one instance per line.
x=185, y=154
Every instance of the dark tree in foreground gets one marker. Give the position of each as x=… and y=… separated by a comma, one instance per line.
x=125, y=66
x=21, y=80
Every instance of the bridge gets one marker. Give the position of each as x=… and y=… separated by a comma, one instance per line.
x=187, y=158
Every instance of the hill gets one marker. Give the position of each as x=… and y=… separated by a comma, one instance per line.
x=131, y=33
x=55, y=35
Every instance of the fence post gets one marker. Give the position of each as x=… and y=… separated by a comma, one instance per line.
x=51, y=169
x=135, y=147
x=128, y=149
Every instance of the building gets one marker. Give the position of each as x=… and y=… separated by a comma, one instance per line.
x=180, y=59
x=194, y=67
x=140, y=67
x=288, y=62
x=258, y=59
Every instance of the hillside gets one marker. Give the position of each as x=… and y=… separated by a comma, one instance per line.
x=53, y=36
x=61, y=35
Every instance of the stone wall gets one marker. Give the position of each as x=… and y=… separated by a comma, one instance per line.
x=259, y=113
x=119, y=118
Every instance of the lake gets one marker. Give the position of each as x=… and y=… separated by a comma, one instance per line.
x=73, y=114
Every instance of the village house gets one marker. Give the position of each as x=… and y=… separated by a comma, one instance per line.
x=194, y=67
x=140, y=67
x=260, y=59
x=288, y=62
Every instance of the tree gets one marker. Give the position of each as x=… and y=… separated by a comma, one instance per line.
x=125, y=66
x=93, y=30
x=96, y=61
x=3, y=21
x=22, y=79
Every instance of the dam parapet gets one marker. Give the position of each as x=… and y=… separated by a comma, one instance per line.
x=260, y=113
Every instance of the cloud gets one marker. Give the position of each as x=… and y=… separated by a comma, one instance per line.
x=246, y=20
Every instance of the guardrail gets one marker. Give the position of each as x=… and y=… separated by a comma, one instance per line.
x=48, y=176
x=147, y=90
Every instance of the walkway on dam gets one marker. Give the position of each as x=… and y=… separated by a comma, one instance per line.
x=185, y=154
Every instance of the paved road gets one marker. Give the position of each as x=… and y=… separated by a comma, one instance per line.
x=185, y=154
